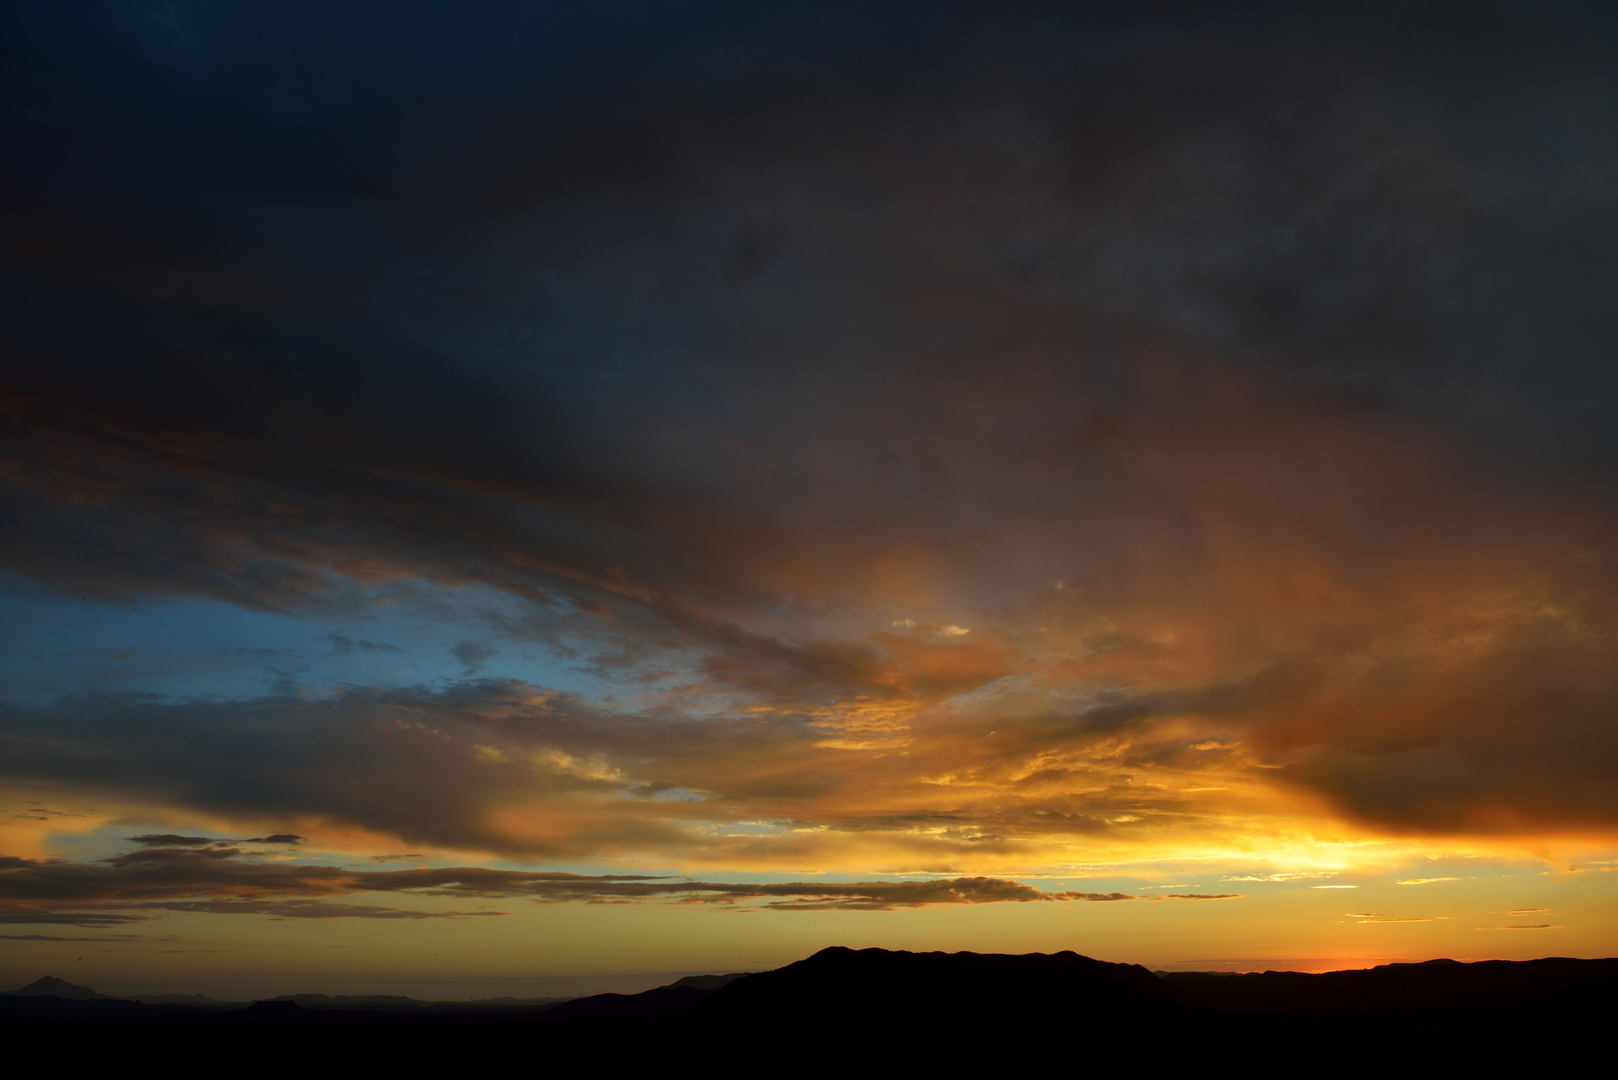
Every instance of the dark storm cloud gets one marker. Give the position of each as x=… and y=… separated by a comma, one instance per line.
x=409, y=354
x=1277, y=334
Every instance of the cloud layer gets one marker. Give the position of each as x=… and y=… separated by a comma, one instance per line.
x=136, y=886
x=956, y=441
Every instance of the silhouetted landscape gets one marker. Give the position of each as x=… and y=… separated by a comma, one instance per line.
x=1039, y=1007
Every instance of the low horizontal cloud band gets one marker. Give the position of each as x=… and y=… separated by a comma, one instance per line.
x=132, y=887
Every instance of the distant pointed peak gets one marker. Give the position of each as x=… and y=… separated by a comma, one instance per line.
x=50, y=984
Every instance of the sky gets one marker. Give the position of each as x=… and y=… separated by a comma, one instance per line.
x=514, y=498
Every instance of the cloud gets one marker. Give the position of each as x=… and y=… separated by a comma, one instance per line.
x=90, y=920
x=169, y=840
x=308, y=909
x=42, y=813
x=1300, y=408
x=1204, y=896
x=991, y=768
x=104, y=655
x=475, y=655
x=505, y=766
x=119, y=938
x=343, y=645
x=1425, y=880
x=128, y=888
x=885, y=896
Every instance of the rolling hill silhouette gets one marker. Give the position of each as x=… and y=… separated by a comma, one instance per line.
x=893, y=1005
x=868, y=990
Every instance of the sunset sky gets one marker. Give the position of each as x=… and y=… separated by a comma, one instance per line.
x=521, y=498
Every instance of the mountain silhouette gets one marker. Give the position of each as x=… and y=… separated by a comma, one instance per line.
x=960, y=1011
x=266, y=1012
x=200, y=1001
x=852, y=995
x=659, y=1003
x=710, y=982
x=895, y=1005
x=50, y=984
x=352, y=1001
x=876, y=988
x=1432, y=988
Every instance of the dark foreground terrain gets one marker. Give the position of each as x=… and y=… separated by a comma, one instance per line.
x=843, y=1008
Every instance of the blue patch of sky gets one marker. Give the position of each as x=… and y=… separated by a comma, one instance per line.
x=53, y=646
x=681, y=795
